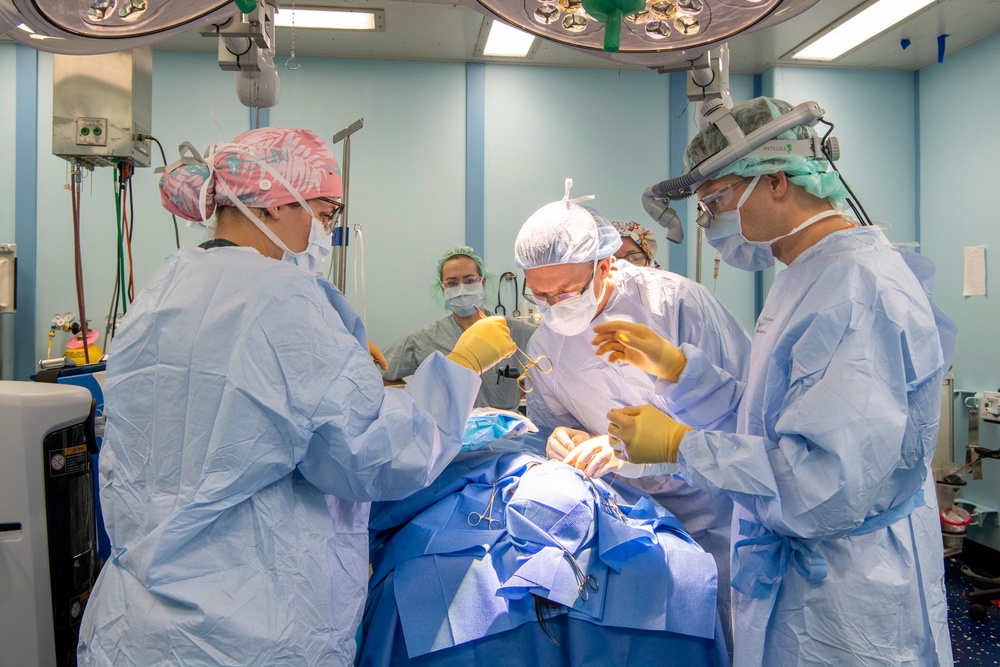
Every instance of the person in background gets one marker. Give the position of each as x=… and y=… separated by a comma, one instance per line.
x=248, y=429
x=837, y=543
x=565, y=250
x=460, y=284
x=638, y=244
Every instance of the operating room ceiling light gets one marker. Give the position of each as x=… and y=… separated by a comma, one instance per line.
x=331, y=19
x=857, y=30
x=507, y=42
x=643, y=32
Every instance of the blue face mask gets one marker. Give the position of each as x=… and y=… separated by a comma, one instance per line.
x=726, y=235
x=465, y=300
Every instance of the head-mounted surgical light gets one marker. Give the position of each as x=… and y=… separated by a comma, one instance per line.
x=761, y=143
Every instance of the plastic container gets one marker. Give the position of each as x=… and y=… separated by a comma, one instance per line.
x=953, y=523
x=955, y=519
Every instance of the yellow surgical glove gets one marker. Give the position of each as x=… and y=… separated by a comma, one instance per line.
x=377, y=356
x=640, y=346
x=649, y=435
x=483, y=344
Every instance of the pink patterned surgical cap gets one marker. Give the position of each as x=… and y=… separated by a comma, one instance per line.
x=190, y=187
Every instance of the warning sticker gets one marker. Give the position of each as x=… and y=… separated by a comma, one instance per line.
x=68, y=461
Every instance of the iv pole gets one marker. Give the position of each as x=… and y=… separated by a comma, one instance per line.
x=338, y=266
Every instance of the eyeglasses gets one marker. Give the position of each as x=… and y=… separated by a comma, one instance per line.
x=533, y=298
x=637, y=258
x=331, y=218
x=712, y=204
x=455, y=282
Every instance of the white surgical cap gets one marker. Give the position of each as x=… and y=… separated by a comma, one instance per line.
x=565, y=232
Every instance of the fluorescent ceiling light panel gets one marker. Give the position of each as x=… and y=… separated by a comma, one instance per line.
x=860, y=28
x=507, y=42
x=325, y=18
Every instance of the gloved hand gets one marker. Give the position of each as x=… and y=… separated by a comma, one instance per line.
x=649, y=435
x=595, y=457
x=377, y=356
x=640, y=346
x=563, y=441
x=483, y=344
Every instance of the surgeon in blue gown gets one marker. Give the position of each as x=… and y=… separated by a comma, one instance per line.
x=837, y=548
x=566, y=250
x=248, y=428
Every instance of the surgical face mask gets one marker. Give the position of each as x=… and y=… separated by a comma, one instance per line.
x=571, y=316
x=320, y=245
x=464, y=300
x=726, y=235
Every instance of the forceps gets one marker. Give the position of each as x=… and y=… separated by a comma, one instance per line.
x=475, y=518
x=588, y=582
x=543, y=364
x=608, y=503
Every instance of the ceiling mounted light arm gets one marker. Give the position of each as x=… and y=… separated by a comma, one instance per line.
x=246, y=46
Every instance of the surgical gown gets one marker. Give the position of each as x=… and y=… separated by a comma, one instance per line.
x=239, y=391
x=583, y=387
x=496, y=391
x=837, y=541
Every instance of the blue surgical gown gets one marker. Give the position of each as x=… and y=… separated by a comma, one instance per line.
x=583, y=387
x=837, y=428
x=239, y=394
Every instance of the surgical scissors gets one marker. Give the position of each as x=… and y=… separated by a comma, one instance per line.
x=487, y=514
x=543, y=364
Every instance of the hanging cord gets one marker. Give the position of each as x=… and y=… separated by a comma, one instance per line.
x=359, y=259
x=131, y=228
x=78, y=258
x=163, y=156
x=292, y=55
x=109, y=329
x=853, y=202
x=121, y=242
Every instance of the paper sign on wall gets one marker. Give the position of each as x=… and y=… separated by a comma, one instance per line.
x=975, y=271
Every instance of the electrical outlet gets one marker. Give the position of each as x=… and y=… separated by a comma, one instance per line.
x=989, y=407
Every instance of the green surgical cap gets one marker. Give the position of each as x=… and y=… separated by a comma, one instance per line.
x=812, y=174
x=457, y=251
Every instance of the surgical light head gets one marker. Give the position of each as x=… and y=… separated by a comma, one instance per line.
x=762, y=136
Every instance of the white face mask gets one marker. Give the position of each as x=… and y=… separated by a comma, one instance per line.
x=320, y=246
x=572, y=316
x=464, y=300
x=726, y=235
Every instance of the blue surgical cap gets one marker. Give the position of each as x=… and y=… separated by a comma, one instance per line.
x=812, y=174
x=565, y=233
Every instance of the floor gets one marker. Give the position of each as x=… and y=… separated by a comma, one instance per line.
x=974, y=644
